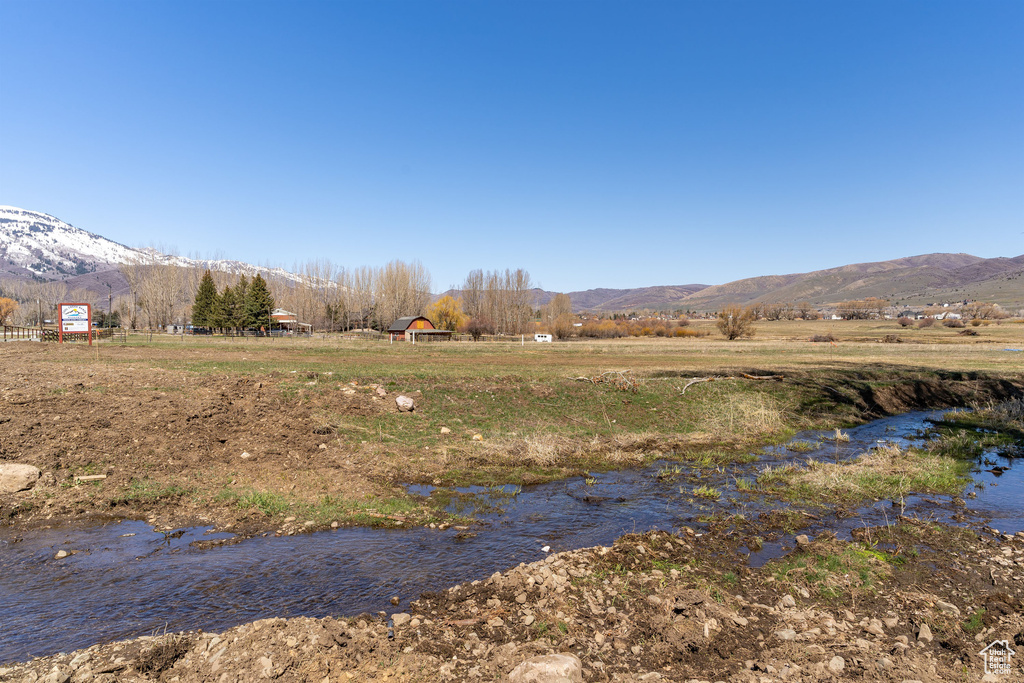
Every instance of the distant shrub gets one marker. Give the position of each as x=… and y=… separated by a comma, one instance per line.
x=925, y=322
x=823, y=338
x=975, y=322
x=904, y=321
x=953, y=322
x=891, y=339
x=478, y=327
x=969, y=333
x=680, y=332
x=735, y=322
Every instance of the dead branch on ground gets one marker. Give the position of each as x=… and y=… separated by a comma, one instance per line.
x=699, y=380
x=622, y=380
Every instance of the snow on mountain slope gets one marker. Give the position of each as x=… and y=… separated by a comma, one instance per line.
x=50, y=248
x=40, y=245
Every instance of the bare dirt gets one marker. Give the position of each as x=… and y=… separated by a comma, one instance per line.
x=923, y=602
x=176, y=446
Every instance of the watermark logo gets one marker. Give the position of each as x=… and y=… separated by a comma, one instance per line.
x=997, y=657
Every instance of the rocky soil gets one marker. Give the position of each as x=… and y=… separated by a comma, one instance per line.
x=913, y=602
x=124, y=438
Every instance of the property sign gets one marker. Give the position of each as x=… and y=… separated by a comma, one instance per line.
x=75, y=318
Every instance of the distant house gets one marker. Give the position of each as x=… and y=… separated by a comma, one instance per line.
x=416, y=328
x=288, y=323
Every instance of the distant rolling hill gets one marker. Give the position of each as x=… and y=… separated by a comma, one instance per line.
x=911, y=281
x=40, y=247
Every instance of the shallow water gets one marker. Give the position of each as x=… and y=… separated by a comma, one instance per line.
x=126, y=580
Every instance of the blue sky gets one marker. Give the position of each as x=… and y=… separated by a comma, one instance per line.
x=596, y=144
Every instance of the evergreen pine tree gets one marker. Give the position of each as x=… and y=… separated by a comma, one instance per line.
x=258, y=303
x=204, y=309
x=225, y=311
x=238, y=318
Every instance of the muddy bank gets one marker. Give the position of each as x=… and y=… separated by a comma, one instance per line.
x=915, y=601
x=131, y=436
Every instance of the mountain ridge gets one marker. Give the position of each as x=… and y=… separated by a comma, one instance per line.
x=42, y=247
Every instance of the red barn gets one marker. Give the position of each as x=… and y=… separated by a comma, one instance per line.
x=415, y=327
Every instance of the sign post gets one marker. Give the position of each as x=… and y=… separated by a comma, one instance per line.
x=75, y=319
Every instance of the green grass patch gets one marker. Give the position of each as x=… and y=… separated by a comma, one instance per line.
x=149, y=491
x=975, y=622
x=835, y=569
x=708, y=492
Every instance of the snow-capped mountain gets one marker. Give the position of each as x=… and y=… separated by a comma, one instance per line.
x=47, y=247
x=40, y=246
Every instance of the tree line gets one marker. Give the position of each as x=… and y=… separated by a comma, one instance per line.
x=247, y=305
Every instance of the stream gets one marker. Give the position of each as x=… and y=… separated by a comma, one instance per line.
x=125, y=580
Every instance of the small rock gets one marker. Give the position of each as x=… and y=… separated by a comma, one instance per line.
x=401, y=619
x=15, y=477
x=786, y=634
x=924, y=633
x=836, y=664
x=395, y=600
x=599, y=638
x=61, y=554
x=246, y=455
x=738, y=620
x=948, y=608
x=560, y=668
x=890, y=622
x=322, y=447
x=884, y=664
x=289, y=519
x=405, y=404
x=79, y=660
x=478, y=437
x=788, y=601
x=521, y=598
x=496, y=622
x=445, y=430
x=875, y=627
x=334, y=525
x=803, y=540
x=382, y=392
x=267, y=665
x=528, y=619
x=57, y=676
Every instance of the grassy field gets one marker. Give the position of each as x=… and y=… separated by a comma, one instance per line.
x=318, y=416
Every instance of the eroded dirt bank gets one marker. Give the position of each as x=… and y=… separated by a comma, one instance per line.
x=133, y=435
x=916, y=601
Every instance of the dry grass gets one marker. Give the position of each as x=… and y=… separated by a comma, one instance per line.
x=736, y=411
x=885, y=472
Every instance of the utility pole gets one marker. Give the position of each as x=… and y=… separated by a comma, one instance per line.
x=110, y=299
